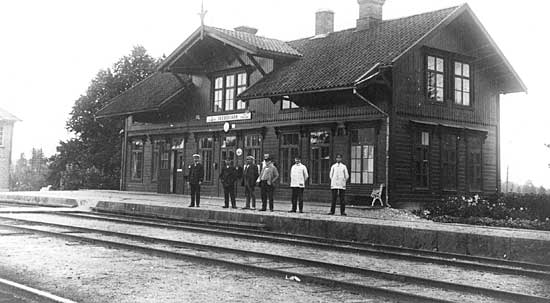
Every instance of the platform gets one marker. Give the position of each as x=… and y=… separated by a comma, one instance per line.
x=378, y=226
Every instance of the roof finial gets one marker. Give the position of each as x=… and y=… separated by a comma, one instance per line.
x=202, y=14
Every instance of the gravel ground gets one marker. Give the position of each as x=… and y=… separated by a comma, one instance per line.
x=90, y=274
x=444, y=273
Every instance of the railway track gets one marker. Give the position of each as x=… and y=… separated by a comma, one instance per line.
x=12, y=292
x=355, y=278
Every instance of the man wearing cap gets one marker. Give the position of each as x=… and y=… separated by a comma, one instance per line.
x=338, y=178
x=267, y=179
x=196, y=175
x=250, y=175
x=228, y=177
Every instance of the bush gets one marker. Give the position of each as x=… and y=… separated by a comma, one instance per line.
x=530, y=211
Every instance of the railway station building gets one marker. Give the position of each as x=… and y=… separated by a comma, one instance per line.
x=411, y=103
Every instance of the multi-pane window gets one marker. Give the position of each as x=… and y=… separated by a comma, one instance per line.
x=289, y=150
x=474, y=163
x=286, y=103
x=226, y=88
x=229, y=144
x=362, y=156
x=462, y=83
x=320, y=156
x=449, y=162
x=253, y=146
x=206, y=149
x=155, y=160
x=137, y=160
x=435, y=78
x=165, y=156
x=242, y=82
x=422, y=159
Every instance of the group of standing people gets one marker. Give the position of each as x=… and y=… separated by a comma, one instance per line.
x=265, y=175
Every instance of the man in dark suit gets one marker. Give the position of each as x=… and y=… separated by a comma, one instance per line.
x=196, y=175
x=250, y=175
x=228, y=177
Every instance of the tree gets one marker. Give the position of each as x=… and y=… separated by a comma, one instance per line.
x=30, y=174
x=92, y=158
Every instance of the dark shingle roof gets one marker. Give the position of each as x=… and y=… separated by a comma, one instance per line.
x=262, y=43
x=148, y=95
x=340, y=58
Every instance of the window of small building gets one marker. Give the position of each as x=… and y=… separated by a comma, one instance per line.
x=165, y=156
x=137, y=160
x=155, y=160
x=206, y=150
x=362, y=156
x=226, y=89
x=422, y=159
x=435, y=81
x=462, y=83
x=449, y=161
x=1, y=136
x=289, y=149
x=253, y=146
x=475, y=164
x=320, y=156
x=286, y=103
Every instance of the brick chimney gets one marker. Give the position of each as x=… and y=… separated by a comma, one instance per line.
x=246, y=29
x=370, y=13
x=324, y=22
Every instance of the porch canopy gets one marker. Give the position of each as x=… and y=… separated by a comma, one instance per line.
x=152, y=95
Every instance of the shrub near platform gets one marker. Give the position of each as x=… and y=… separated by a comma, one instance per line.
x=528, y=211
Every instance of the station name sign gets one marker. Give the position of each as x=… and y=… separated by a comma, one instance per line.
x=230, y=117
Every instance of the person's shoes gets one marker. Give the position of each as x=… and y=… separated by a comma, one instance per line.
x=225, y=206
x=271, y=210
x=291, y=211
x=233, y=206
x=253, y=208
x=301, y=211
x=191, y=205
x=343, y=214
x=245, y=207
x=198, y=205
x=263, y=209
x=330, y=213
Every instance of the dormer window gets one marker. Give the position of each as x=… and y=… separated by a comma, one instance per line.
x=226, y=89
x=435, y=78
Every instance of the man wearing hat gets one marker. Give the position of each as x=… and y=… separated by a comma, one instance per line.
x=267, y=179
x=250, y=175
x=196, y=175
x=228, y=177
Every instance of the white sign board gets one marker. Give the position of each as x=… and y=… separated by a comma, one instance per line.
x=230, y=117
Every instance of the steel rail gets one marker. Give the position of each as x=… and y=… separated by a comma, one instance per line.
x=31, y=293
x=511, y=267
x=369, y=273
x=307, y=278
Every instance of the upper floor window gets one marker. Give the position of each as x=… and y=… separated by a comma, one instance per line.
x=462, y=83
x=226, y=89
x=435, y=78
x=286, y=103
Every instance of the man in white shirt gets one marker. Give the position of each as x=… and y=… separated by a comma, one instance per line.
x=298, y=178
x=338, y=178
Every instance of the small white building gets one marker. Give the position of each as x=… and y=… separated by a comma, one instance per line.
x=7, y=121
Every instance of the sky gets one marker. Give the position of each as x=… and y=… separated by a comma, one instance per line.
x=52, y=49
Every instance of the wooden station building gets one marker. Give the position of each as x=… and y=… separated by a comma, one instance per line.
x=412, y=103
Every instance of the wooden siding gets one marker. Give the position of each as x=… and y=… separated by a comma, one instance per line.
x=410, y=103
